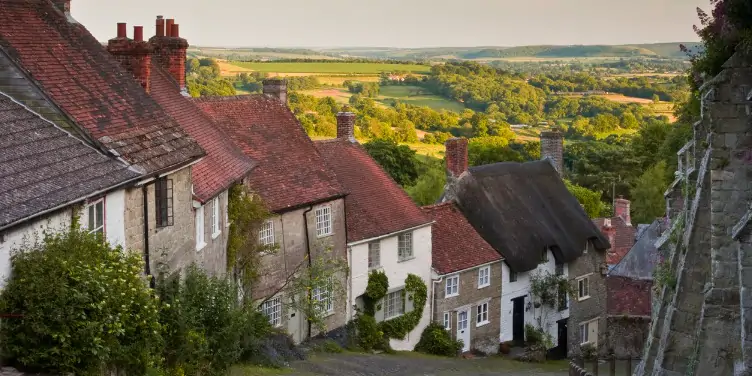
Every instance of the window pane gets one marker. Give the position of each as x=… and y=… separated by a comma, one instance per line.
x=91, y=217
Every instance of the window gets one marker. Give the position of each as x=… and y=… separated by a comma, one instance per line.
x=447, y=321
x=95, y=216
x=266, y=233
x=394, y=304
x=215, y=218
x=374, y=255
x=323, y=295
x=200, y=242
x=584, y=252
x=452, y=286
x=482, y=316
x=512, y=276
x=559, y=268
x=324, y=221
x=563, y=298
x=484, y=276
x=272, y=308
x=589, y=332
x=405, y=246
x=544, y=255
x=583, y=288
x=163, y=197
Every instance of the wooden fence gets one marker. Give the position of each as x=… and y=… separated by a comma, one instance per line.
x=602, y=367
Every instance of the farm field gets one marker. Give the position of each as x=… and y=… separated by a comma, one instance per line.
x=344, y=67
x=429, y=150
x=406, y=94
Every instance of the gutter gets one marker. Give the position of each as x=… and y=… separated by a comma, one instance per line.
x=155, y=175
x=470, y=268
x=308, y=255
x=309, y=204
x=390, y=234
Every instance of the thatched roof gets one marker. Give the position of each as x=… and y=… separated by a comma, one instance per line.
x=522, y=209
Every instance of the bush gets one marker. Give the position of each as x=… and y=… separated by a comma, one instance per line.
x=533, y=335
x=370, y=337
x=436, y=340
x=84, y=307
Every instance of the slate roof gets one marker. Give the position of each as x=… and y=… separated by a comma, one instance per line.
x=291, y=173
x=224, y=163
x=456, y=244
x=640, y=261
x=624, y=238
x=523, y=208
x=43, y=167
x=74, y=70
x=376, y=205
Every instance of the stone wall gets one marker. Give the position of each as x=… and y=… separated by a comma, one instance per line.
x=626, y=335
x=213, y=257
x=592, y=264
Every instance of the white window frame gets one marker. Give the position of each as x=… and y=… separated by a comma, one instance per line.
x=394, y=302
x=484, y=277
x=324, y=294
x=200, y=231
x=481, y=314
x=272, y=309
x=452, y=286
x=216, y=230
x=405, y=246
x=583, y=287
x=447, y=321
x=93, y=205
x=585, y=332
x=324, y=221
x=374, y=255
x=266, y=233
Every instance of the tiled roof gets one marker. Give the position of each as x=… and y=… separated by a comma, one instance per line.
x=291, y=173
x=91, y=87
x=456, y=244
x=43, y=167
x=224, y=163
x=623, y=239
x=641, y=259
x=376, y=205
x=626, y=296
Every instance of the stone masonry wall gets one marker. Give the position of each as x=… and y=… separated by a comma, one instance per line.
x=592, y=264
x=626, y=335
x=213, y=257
x=486, y=337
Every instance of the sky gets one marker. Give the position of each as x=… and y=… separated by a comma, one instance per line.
x=400, y=23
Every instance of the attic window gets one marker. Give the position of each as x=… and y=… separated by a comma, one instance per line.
x=163, y=197
x=512, y=276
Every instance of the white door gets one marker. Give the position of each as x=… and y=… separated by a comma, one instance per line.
x=463, y=330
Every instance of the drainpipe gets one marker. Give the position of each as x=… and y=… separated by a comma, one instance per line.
x=433, y=298
x=308, y=254
x=147, y=267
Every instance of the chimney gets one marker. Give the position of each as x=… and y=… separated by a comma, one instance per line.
x=277, y=87
x=621, y=209
x=63, y=5
x=170, y=50
x=134, y=54
x=456, y=156
x=346, y=125
x=552, y=148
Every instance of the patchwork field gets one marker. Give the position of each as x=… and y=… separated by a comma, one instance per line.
x=344, y=67
x=406, y=94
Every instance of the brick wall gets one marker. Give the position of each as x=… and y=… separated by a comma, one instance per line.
x=628, y=296
x=594, y=307
x=486, y=337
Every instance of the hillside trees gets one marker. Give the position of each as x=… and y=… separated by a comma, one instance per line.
x=203, y=78
x=399, y=161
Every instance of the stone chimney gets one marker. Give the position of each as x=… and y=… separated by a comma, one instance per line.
x=277, y=87
x=621, y=209
x=456, y=156
x=133, y=54
x=63, y=5
x=170, y=50
x=552, y=148
x=346, y=125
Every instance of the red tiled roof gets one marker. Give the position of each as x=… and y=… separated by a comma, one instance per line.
x=91, y=87
x=623, y=239
x=375, y=205
x=456, y=244
x=626, y=296
x=291, y=173
x=224, y=163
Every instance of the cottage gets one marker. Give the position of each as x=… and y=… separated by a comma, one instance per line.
x=467, y=279
x=299, y=188
x=386, y=231
x=524, y=211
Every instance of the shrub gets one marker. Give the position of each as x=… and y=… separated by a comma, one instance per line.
x=84, y=307
x=533, y=335
x=436, y=340
x=370, y=337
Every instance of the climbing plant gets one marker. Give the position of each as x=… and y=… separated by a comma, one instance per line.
x=378, y=285
x=546, y=288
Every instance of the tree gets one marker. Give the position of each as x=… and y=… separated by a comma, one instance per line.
x=589, y=199
x=647, y=195
x=399, y=161
x=430, y=184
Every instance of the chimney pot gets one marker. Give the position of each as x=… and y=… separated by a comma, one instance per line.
x=456, y=156
x=175, y=31
x=552, y=148
x=138, y=33
x=160, y=26
x=276, y=87
x=63, y=5
x=622, y=209
x=122, y=30
x=346, y=125
x=169, y=24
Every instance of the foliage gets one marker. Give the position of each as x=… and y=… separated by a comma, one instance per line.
x=378, y=285
x=204, y=79
x=399, y=161
x=84, y=307
x=366, y=89
x=369, y=334
x=647, y=194
x=430, y=184
x=591, y=200
x=398, y=327
x=533, y=335
x=435, y=340
x=546, y=288
x=589, y=351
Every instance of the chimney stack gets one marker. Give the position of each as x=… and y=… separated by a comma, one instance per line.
x=277, y=88
x=63, y=5
x=456, y=156
x=346, y=125
x=552, y=148
x=134, y=55
x=621, y=209
x=170, y=50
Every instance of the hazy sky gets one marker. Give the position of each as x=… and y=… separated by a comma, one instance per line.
x=400, y=23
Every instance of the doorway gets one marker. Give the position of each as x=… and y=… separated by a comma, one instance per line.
x=463, y=330
x=560, y=351
x=518, y=321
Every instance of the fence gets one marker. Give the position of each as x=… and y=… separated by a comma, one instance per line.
x=602, y=367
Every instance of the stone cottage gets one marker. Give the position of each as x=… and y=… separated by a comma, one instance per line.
x=525, y=212
x=386, y=231
x=300, y=190
x=467, y=280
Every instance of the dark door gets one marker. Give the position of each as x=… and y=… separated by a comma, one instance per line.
x=518, y=321
x=562, y=342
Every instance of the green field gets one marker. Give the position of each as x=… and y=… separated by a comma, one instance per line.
x=412, y=95
x=337, y=67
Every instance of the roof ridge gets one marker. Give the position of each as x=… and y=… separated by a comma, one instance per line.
x=438, y=205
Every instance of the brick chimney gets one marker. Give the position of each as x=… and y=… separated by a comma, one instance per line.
x=63, y=5
x=276, y=87
x=552, y=148
x=456, y=156
x=346, y=125
x=133, y=54
x=621, y=209
x=170, y=50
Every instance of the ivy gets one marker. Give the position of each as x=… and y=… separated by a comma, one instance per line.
x=378, y=285
x=399, y=327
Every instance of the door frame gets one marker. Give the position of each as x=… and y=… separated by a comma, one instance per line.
x=465, y=344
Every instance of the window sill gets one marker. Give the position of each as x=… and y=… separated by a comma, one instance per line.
x=451, y=296
x=327, y=314
x=583, y=298
x=214, y=235
x=406, y=259
x=324, y=235
x=484, y=286
x=478, y=325
x=200, y=246
x=393, y=317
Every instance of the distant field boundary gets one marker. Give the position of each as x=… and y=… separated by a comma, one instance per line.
x=331, y=67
